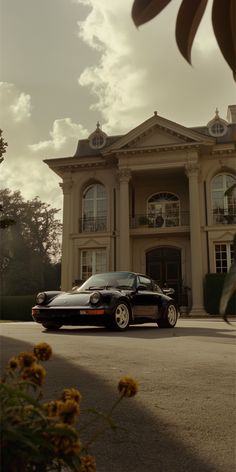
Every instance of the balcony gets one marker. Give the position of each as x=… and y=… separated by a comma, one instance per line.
x=223, y=217
x=93, y=224
x=160, y=221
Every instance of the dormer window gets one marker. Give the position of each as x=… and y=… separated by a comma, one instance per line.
x=97, y=141
x=98, y=138
x=217, y=127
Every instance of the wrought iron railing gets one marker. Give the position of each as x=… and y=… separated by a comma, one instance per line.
x=93, y=224
x=221, y=216
x=160, y=221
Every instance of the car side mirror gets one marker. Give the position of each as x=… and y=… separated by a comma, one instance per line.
x=168, y=291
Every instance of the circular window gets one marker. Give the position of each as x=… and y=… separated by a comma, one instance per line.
x=217, y=126
x=98, y=138
x=218, y=129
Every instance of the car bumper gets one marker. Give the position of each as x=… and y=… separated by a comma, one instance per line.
x=71, y=316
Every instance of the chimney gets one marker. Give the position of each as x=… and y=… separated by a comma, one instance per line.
x=231, y=114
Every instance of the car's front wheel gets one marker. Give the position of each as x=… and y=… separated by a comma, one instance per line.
x=121, y=317
x=169, y=318
x=51, y=326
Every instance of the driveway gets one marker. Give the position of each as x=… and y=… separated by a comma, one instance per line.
x=183, y=417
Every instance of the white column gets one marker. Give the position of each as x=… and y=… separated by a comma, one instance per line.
x=124, y=246
x=66, y=267
x=195, y=239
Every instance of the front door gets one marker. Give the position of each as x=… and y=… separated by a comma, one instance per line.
x=164, y=266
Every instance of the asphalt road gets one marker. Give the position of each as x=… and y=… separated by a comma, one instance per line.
x=183, y=418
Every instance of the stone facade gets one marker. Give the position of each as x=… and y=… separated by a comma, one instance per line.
x=152, y=201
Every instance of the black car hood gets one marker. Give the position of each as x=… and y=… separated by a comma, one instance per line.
x=71, y=299
x=82, y=298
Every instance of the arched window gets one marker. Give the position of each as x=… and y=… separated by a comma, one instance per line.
x=223, y=203
x=163, y=209
x=94, y=208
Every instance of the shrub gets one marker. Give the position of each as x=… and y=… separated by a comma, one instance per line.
x=43, y=437
x=213, y=285
x=17, y=307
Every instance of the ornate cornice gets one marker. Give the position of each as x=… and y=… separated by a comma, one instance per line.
x=66, y=186
x=156, y=149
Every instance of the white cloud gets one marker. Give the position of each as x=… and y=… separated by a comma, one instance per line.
x=116, y=82
x=23, y=167
x=15, y=105
x=63, y=132
x=21, y=109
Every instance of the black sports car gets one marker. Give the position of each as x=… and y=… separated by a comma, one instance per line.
x=111, y=299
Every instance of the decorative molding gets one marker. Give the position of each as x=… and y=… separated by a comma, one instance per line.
x=192, y=169
x=124, y=175
x=66, y=186
x=158, y=148
x=216, y=152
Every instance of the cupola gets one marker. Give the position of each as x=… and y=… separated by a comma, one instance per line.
x=217, y=126
x=97, y=139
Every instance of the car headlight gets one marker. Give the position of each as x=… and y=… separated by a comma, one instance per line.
x=41, y=297
x=95, y=298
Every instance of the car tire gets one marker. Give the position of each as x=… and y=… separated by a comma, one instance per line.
x=51, y=326
x=169, y=317
x=121, y=317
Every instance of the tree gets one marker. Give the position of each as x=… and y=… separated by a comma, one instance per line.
x=188, y=19
x=31, y=248
x=3, y=146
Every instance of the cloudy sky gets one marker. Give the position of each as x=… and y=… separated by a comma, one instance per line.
x=64, y=64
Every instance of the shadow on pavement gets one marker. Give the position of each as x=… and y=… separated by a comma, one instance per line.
x=148, y=332
x=142, y=444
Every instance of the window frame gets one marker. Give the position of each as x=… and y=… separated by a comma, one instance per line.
x=223, y=263
x=161, y=213
x=223, y=206
x=94, y=218
x=93, y=252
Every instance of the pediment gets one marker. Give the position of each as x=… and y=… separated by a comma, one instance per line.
x=156, y=136
x=92, y=243
x=225, y=236
x=158, y=132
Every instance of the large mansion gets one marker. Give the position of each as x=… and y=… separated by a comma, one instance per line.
x=151, y=201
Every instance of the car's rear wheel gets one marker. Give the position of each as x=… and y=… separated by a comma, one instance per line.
x=121, y=317
x=51, y=326
x=169, y=318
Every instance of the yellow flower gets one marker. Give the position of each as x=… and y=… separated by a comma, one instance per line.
x=64, y=442
x=128, y=387
x=71, y=394
x=88, y=464
x=52, y=408
x=13, y=362
x=36, y=374
x=26, y=359
x=43, y=351
x=68, y=411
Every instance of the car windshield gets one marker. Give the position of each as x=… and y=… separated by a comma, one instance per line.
x=121, y=280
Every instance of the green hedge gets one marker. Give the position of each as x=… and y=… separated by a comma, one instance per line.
x=213, y=285
x=16, y=307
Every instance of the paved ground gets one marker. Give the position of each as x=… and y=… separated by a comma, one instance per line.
x=183, y=418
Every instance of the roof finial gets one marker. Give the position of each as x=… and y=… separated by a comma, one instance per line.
x=155, y=113
x=217, y=112
x=98, y=125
